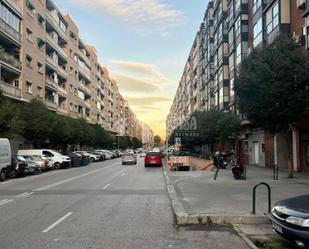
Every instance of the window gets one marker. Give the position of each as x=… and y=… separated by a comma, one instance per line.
x=41, y=20
x=238, y=54
x=9, y=17
x=256, y=5
x=40, y=68
x=257, y=33
x=29, y=61
x=40, y=91
x=272, y=18
x=28, y=87
x=237, y=27
x=29, y=35
x=30, y=8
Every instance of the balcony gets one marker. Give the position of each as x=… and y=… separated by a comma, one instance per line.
x=51, y=19
x=85, y=89
x=52, y=83
x=84, y=72
x=9, y=90
x=56, y=46
x=50, y=104
x=14, y=5
x=54, y=64
x=10, y=60
x=62, y=111
x=10, y=32
x=62, y=91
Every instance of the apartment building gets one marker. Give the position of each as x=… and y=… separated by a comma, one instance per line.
x=230, y=30
x=43, y=56
x=148, y=136
x=10, y=48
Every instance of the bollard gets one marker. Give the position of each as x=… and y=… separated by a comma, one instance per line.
x=245, y=172
x=254, y=196
x=276, y=172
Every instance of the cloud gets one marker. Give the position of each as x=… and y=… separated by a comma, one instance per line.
x=133, y=84
x=145, y=101
x=151, y=72
x=140, y=14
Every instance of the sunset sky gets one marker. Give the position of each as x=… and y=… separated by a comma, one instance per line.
x=144, y=43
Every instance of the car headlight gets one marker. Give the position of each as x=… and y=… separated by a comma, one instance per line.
x=298, y=221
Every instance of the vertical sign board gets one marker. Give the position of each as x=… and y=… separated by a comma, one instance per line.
x=177, y=142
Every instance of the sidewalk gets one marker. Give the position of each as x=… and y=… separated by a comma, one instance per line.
x=197, y=198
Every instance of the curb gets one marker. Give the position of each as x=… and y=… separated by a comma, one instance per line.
x=245, y=238
x=183, y=218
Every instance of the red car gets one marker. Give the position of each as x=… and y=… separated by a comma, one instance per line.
x=153, y=158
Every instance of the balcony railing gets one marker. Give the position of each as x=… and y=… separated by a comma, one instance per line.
x=54, y=23
x=56, y=46
x=62, y=91
x=84, y=88
x=10, y=31
x=10, y=59
x=10, y=90
x=51, y=83
x=62, y=110
x=54, y=63
x=84, y=72
x=50, y=104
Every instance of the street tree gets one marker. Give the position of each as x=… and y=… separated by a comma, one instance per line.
x=272, y=88
x=157, y=140
x=10, y=122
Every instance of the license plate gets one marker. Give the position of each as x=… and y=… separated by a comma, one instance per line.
x=277, y=228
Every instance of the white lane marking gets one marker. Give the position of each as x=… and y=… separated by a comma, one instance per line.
x=21, y=195
x=5, y=202
x=106, y=186
x=72, y=178
x=28, y=194
x=56, y=223
x=123, y=174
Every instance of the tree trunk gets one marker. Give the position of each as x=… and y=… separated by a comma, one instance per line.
x=290, y=154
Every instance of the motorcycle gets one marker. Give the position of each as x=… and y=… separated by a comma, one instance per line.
x=237, y=169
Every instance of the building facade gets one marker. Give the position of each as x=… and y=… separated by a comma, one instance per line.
x=43, y=56
x=230, y=30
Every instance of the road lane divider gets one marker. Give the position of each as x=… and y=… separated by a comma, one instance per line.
x=123, y=174
x=28, y=194
x=6, y=202
x=106, y=186
x=57, y=222
x=55, y=184
x=21, y=195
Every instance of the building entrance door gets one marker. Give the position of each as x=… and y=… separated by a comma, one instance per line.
x=256, y=153
x=305, y=155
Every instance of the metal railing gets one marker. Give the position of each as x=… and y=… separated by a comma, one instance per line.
x=10, y=31
x=10, y=90
x=56, y=46
x=54, y=23
x=10, y=59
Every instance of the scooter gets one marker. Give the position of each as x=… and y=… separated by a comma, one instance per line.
x=237, y=169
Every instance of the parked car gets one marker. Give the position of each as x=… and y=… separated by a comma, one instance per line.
x=108, y=155
x=57, y=160
x=18, y=167
x=76, y=159
x=129, y=158
x=101, y=156
x=5, y=157
x=290, y=220
x=44, y=163
x=92, y=157
x=33, y=167
x=153, y=158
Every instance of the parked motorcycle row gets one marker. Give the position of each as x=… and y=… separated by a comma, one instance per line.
x=228, y=160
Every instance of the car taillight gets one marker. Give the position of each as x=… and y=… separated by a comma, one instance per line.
x=46, y=162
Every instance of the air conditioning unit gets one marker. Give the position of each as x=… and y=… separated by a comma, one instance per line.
x=301, y=4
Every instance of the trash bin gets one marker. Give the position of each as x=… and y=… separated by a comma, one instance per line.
x=76, y=159
x=84, y=160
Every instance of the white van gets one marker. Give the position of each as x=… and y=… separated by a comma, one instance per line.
x=56, y=159
x=5, y=157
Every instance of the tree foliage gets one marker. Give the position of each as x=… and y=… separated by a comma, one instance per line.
x=157, y=140
x=272, y=87
x=10, y=123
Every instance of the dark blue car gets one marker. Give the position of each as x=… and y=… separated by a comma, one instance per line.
x=290, y=220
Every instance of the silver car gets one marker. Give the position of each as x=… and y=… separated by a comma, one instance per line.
x=129, y=158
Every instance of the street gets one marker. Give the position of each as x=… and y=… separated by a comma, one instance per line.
x=104, y=205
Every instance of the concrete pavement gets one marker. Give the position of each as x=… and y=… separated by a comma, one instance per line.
x=197, y=198
x=105, y=205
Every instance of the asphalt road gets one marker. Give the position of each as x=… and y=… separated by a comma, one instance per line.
x=104, y=205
